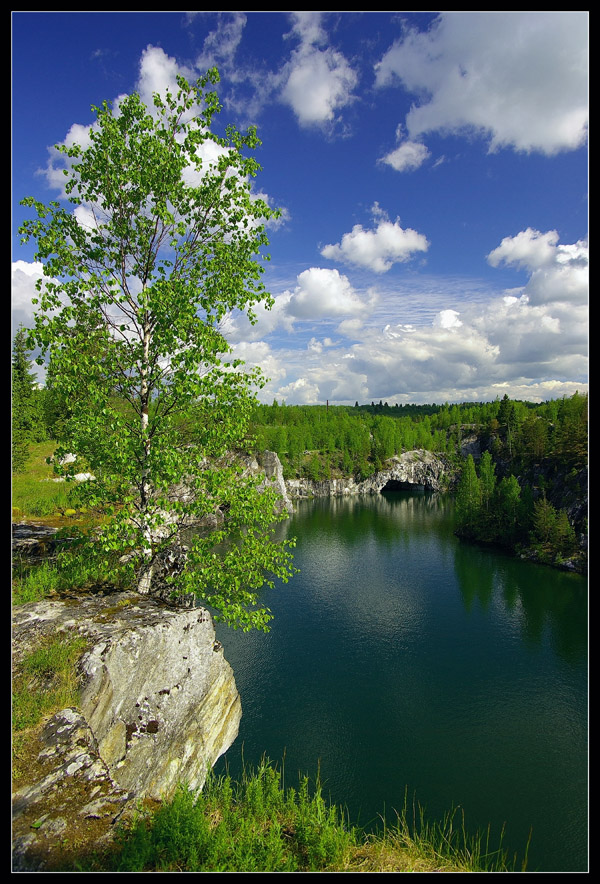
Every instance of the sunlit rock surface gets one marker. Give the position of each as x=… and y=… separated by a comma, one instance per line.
x=412, y=468
x=157, y=706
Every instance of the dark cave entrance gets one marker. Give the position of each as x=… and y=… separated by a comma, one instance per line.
x=396, y=485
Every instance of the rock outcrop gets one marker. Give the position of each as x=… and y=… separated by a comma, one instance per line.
x=412, y=468
x=268, y=463
x=157, y=706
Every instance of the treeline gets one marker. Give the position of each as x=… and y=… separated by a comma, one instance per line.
x=515, y=516
x=322, y=441
x=30, y=422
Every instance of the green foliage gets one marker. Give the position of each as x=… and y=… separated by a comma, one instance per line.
x=468, y=499
x=35, y=584
x=156, y=246
x=501, y=512
x=34, y=495
x=254, y=825
x=552, y=534
x=257, y=825
x=358, y=439
x=27, y=422
x=46, y=680
x=538, y=442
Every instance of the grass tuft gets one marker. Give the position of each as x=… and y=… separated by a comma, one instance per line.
x=257, y=825
x=46, y=681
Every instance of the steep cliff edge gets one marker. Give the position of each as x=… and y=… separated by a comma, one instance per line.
x=412, y=468
x=157, y=706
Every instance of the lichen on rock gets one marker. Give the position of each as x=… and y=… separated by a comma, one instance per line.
x=157, y=706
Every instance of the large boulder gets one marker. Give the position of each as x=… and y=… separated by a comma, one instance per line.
x=157, y=706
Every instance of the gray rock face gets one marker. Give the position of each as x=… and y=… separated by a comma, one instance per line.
x=157, y=705
x=71, y=798
x=271, y=466
x=419, y=467
x=303, y=488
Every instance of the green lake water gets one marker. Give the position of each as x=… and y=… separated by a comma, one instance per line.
x=403, y=661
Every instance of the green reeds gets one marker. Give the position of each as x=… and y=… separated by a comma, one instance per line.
x=253, y=825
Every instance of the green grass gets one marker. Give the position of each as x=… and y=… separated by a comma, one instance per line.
x=257, y=825
x=34, y=495
x=36, y=498
x=72, y=568
x=44, y=682
x=34, y=583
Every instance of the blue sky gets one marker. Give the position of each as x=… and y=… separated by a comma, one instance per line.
x=431, y=169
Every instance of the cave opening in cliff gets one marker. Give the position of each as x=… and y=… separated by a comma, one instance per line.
x=396, y=485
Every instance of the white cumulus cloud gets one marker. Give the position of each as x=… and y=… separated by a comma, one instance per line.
x=317, y=80
x=558, y=272
x=377, y=249
x=322, y=293
x=25, y=275
x=520, y=79
x=407, y=157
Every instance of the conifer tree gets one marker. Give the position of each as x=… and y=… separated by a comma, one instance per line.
x=26, y=423
x=468, y=499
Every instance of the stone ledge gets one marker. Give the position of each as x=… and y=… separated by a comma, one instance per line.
x=157, y=706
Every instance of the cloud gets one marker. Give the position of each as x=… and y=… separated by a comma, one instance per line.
x=447, y=319
x=323, y=293
x=236, y=327
x=529, y=249
x=320, y=295
x=317, y=81
x=158, y=74
x=300, y=392
x=520, y=79
x=559, y=273
x=377, y=249
x=23, y=290
x=476, y=345
x=220, y=46
x=407, y=157
x=463, y=355
x=259, y=354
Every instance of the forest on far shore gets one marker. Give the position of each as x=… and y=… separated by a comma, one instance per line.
x=527, y=492
x=320, y=442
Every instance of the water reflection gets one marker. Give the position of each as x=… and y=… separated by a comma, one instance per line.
x=401, y=657
x=540, y=598
x=405, y=525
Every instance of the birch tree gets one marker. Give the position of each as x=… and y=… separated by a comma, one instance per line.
x=159, y=238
